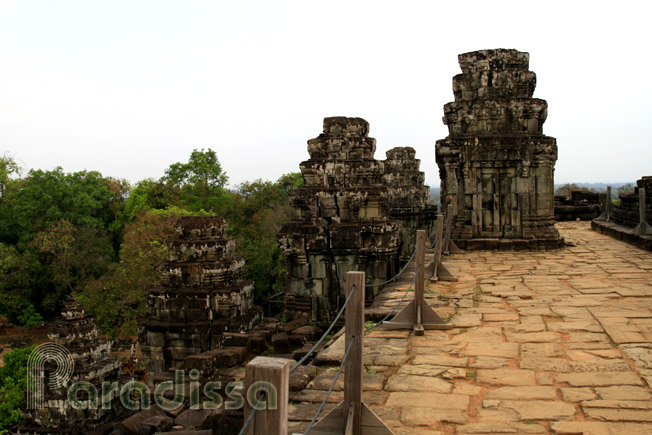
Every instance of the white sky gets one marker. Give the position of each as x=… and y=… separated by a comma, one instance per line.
x=129, y=87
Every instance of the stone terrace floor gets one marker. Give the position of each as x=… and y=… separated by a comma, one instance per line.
x=545, y=342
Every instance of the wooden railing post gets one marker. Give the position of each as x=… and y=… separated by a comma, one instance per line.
x=354, y=331
x=440, y=272
x=419, y=284
x=449, y=245
x=417, y=315
x=352, y=416
x=270, y=376
x=642, y=227
x=606, y=214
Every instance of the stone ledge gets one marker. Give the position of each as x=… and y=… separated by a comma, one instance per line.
x=623, y=234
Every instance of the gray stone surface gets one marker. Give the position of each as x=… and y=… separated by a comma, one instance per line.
x=496, y=166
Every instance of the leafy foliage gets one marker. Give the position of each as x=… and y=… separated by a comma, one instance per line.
x=101, y=238
x=13, y=381
x=16, y=281
x=8, y=167
x=260, y=209
x=30, y=317
x=201, y=181
x=117, y=298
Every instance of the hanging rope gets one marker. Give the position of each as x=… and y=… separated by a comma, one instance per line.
x=339, y=314
x=330, y=390
x=414, y=280
x=395, y=276
x=253, y=413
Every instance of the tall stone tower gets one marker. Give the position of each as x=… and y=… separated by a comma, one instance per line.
x=496, y=165
x=202, y=294
x=353, y=213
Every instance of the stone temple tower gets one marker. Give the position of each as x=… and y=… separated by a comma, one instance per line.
x=353, y=213
x=496, y=165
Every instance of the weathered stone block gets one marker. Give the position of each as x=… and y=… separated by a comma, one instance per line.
x=281, y=343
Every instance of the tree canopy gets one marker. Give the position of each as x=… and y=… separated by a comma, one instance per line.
x=101, y=238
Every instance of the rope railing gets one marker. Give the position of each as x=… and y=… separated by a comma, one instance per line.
x=314, y=347
x=397, y=275
x=332, y=386
x=252, y=415
x=351, y=415
x=414, y=279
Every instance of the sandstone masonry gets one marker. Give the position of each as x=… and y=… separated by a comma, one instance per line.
x=496, y=166
x=353, y=213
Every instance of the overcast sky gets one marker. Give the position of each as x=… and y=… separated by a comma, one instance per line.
x=129, y=87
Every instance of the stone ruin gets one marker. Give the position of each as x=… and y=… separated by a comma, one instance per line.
x=496, y=166
x=579, y=204
x=409, y=197
x=353, y=213
x=202, y=295
x=627, y=211
x=624, y=218
x=93, y=363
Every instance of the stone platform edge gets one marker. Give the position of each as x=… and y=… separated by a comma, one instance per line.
x=625, y=234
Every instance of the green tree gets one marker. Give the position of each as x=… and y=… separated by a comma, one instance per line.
x=150, y=194
x=117, y=298
x=30, y=317
x=8, y=167
x=201, y=181
x=13, y=382
x=73, y=255
x=44, y=197
x=260, y=209
x=17, y=272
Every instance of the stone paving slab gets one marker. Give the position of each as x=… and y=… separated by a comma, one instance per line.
x=543, y=342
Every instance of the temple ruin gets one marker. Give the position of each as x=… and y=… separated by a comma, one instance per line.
x=629, y=220
x=496, y=166
x=353, y=213
x=627, y=212
x=202, y=295
x=579, y=204
x=93, y=364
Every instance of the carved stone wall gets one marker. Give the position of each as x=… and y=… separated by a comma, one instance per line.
x=201, y=296
x=496, y=165
x=348, y=216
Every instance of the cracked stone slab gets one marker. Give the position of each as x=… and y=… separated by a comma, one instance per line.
x=598, y=379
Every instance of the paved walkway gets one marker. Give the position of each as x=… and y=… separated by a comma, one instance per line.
x=545, y=342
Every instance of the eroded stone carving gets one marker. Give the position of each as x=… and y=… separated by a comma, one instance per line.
x=496, y=166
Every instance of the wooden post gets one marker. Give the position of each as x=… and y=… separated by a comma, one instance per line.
x=271, y=376
x=449, y=245
x=354, y=331
x=352, y=416
x=419, y=284
x=417, y=314
x=439, y=270
x=606, y=214
x=642, y=227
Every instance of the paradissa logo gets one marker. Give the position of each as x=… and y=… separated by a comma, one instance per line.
x=135, y=395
